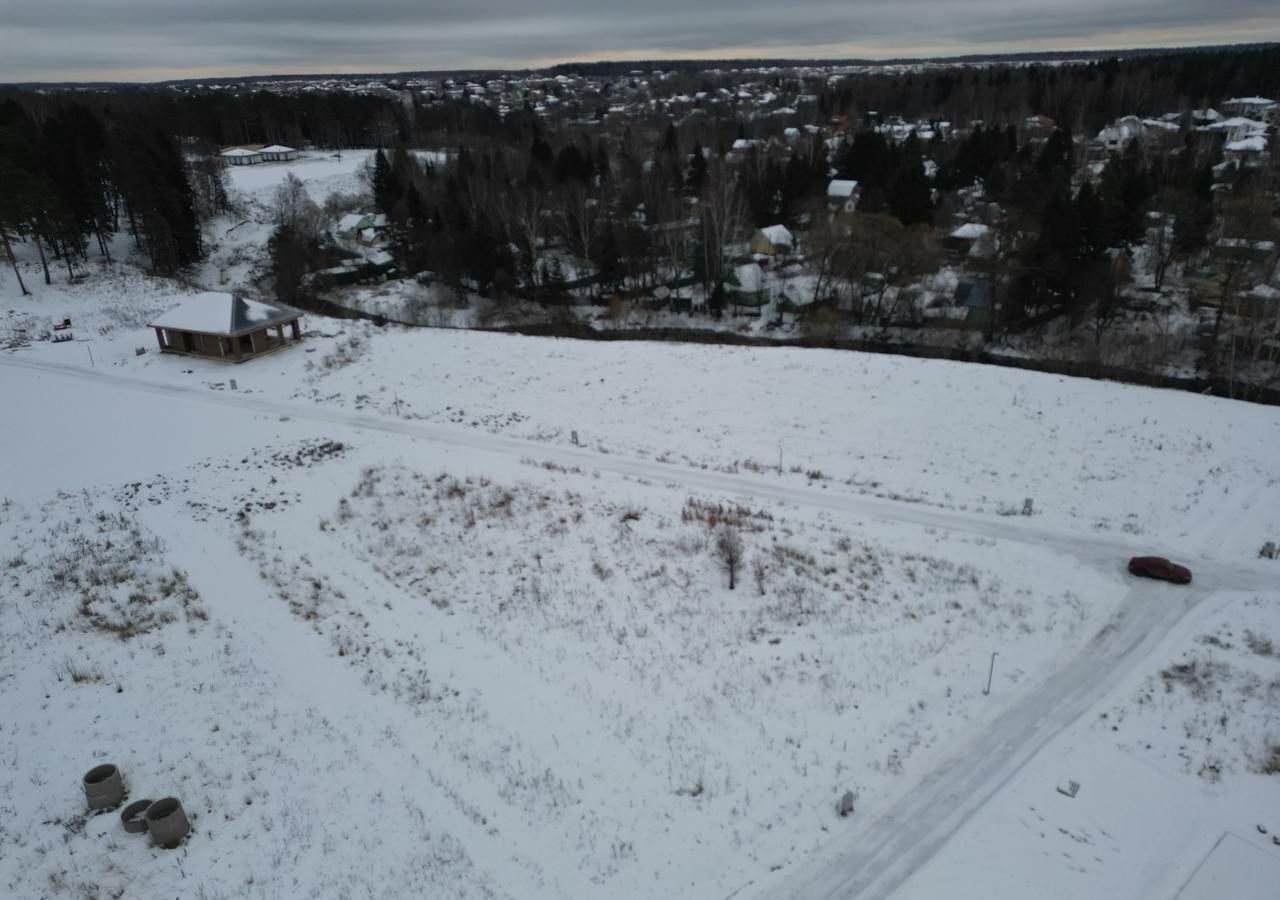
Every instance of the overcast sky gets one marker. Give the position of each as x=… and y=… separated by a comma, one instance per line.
x=148, y=40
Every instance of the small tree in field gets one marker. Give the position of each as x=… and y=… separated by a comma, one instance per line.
x=728, y=552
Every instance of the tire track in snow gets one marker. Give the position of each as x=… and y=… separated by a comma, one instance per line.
x=880, y=853
x=1106, y=553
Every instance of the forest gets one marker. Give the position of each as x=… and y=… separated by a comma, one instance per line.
x=646, y=185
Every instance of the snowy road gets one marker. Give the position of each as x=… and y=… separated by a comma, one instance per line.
x=1109, y=551
x=879, y=853
x=875, y=854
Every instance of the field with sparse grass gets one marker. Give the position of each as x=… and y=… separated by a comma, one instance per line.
x=562, y=663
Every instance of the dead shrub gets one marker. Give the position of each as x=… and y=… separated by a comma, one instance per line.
x=1198, y=677
x=1259, y=644
x=1270, y=764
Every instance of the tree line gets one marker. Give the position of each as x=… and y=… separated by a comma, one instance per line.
x=642, y=201
x=74, y=177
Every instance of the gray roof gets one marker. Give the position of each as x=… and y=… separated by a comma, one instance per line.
x=225, y=315
x=250, y=315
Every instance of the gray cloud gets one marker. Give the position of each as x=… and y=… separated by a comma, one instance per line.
x=155, y=39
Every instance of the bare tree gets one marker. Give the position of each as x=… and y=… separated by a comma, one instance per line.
x=728, y=551
x=829, y=251
x=8, y=252
x=295, y=210
x=881, y=245
x=666, y=218
x=1100, y=285
x=722, y=213
x=582, y=220
x=525, y=213
x=1244, y=254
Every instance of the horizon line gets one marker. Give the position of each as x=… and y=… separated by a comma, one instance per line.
x=708, y=62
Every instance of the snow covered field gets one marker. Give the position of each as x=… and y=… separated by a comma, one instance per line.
x=389, y=630
x=1177, y=772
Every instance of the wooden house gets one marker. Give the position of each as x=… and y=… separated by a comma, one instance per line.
x=226, y=327
x=773, y=240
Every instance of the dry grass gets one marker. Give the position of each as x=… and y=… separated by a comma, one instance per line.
x=344, y=353
x=116, y=572
x=1271, y=760
x=1260, y=644
x=715, y=515
x=1198, y=677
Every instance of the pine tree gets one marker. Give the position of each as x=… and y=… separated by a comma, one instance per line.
x=696, y=178
x=381, y=183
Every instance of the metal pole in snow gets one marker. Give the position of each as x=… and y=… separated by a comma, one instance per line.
x=990, y=672
x=91, y=362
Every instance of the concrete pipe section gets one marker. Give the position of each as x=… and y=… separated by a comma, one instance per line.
x=134, y=818
x=103, y=787
x=167, y=823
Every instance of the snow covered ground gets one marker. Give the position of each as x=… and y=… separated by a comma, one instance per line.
x=561, y=663
x=1177, y=771
x=439, y=613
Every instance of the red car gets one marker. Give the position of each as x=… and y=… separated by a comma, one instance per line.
x=1159, y=567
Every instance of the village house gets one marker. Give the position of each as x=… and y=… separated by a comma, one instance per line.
x=242, y=156
x=1254, y=108
x=1147, y=132
x=223, y=326
x=842, y=195
x=973, y=239
x=1238, y=128
x=1249, y=151
x=278, y=153
x=362, y=227
x=772, y=240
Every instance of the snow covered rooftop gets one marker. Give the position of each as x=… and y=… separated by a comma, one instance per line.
x=1239, y=122
x=841, y=189
x=224, y=314
x=970, y=231
x=778, y=235
x=354, y=222
x=750, y=278
x=278, y=148
x=1124, y=129
x=1237, y=243
x=1255, y=144
x=241, y=151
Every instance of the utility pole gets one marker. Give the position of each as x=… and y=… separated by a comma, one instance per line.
x=990, y=672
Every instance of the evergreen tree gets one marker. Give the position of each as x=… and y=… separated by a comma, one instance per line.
x=381, y=183
x=1088, y=214
x=696, y=178
x=1124, y=190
